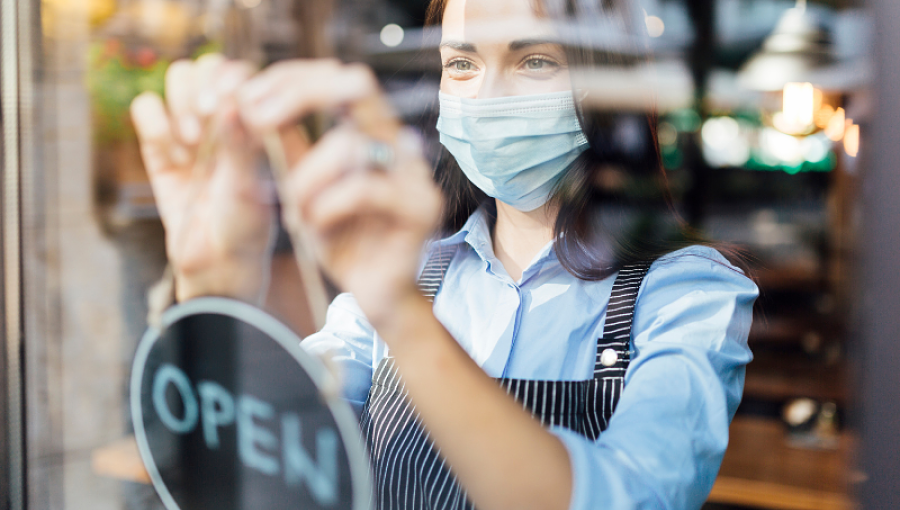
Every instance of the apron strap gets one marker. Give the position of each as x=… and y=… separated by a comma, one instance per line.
x=435, y=268
x=614, y=348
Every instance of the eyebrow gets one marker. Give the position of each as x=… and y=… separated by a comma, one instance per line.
x=519, y=44
x=459, y=46
x=516, y=45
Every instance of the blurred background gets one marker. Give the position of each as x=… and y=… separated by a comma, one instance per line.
x=767, y=112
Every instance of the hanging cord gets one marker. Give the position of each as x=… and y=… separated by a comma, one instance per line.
x=316, y=294
x=374, y=117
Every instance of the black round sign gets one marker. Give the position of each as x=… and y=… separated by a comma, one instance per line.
x=229, y=413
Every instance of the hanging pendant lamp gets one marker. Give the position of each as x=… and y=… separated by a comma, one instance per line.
x=797, y=50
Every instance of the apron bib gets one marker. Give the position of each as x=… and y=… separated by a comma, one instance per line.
x=408, y=469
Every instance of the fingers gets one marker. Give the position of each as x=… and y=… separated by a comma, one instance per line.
x=363, y=192
x=204, y=93
x=216, y=81
x=232, y=75
x=151, y=121
x=195, y=90
x=337, y=153
x=179, y=94
x=289, y=90
x=332, y=184
x=365, y=195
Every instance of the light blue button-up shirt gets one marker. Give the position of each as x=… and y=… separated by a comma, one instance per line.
x=665, y=442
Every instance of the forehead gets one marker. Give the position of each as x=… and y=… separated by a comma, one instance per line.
x=492, y=21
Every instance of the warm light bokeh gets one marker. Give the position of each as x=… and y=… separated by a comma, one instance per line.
x=799, y=106
x=851, y=139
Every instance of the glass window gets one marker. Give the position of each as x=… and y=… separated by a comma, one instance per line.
x=756, y=141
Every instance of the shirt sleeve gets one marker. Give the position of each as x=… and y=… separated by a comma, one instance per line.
x=348, y=340
x=665, y=441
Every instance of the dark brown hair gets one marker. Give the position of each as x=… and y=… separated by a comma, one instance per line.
x=580, y=231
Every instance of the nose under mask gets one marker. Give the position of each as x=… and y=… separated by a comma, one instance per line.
x=513, y=148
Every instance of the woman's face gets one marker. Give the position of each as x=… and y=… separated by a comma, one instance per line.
x=497, y=48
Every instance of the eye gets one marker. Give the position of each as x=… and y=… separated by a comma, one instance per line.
x=539, y=64
x=535, y=64
x=460, y=65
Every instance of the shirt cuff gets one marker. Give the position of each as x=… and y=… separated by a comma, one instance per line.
x=574, y=443
x=601, y=479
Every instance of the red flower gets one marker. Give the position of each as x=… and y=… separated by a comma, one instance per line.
x=145, y=57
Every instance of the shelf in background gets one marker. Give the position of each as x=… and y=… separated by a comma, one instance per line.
x=790, y=330
x=761, y=470
x=782, y=376
x=796, y=278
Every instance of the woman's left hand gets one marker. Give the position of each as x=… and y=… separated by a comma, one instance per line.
x=368, y=224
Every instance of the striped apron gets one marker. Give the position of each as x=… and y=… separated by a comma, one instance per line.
x=409, y=471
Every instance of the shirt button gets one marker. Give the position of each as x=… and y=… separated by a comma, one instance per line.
x=608, y=357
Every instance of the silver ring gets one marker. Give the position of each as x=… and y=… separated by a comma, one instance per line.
x=380, y=155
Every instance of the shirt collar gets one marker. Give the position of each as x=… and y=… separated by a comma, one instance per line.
x=476, y=232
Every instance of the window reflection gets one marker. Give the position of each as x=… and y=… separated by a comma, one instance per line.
x=770, y=167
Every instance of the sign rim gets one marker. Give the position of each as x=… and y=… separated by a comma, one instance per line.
x=289, y=341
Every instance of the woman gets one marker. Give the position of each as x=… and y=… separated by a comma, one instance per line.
x=523, y=292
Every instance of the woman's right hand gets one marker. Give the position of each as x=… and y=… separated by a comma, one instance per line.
x=216, y=211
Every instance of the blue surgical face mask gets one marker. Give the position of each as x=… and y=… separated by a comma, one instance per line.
x=513, y=148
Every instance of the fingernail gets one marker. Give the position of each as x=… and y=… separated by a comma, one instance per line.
x=267, y=113
x=207, y=102
x=190, y=129
x=228, y=83
x=253, y=91
x=350, y=88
